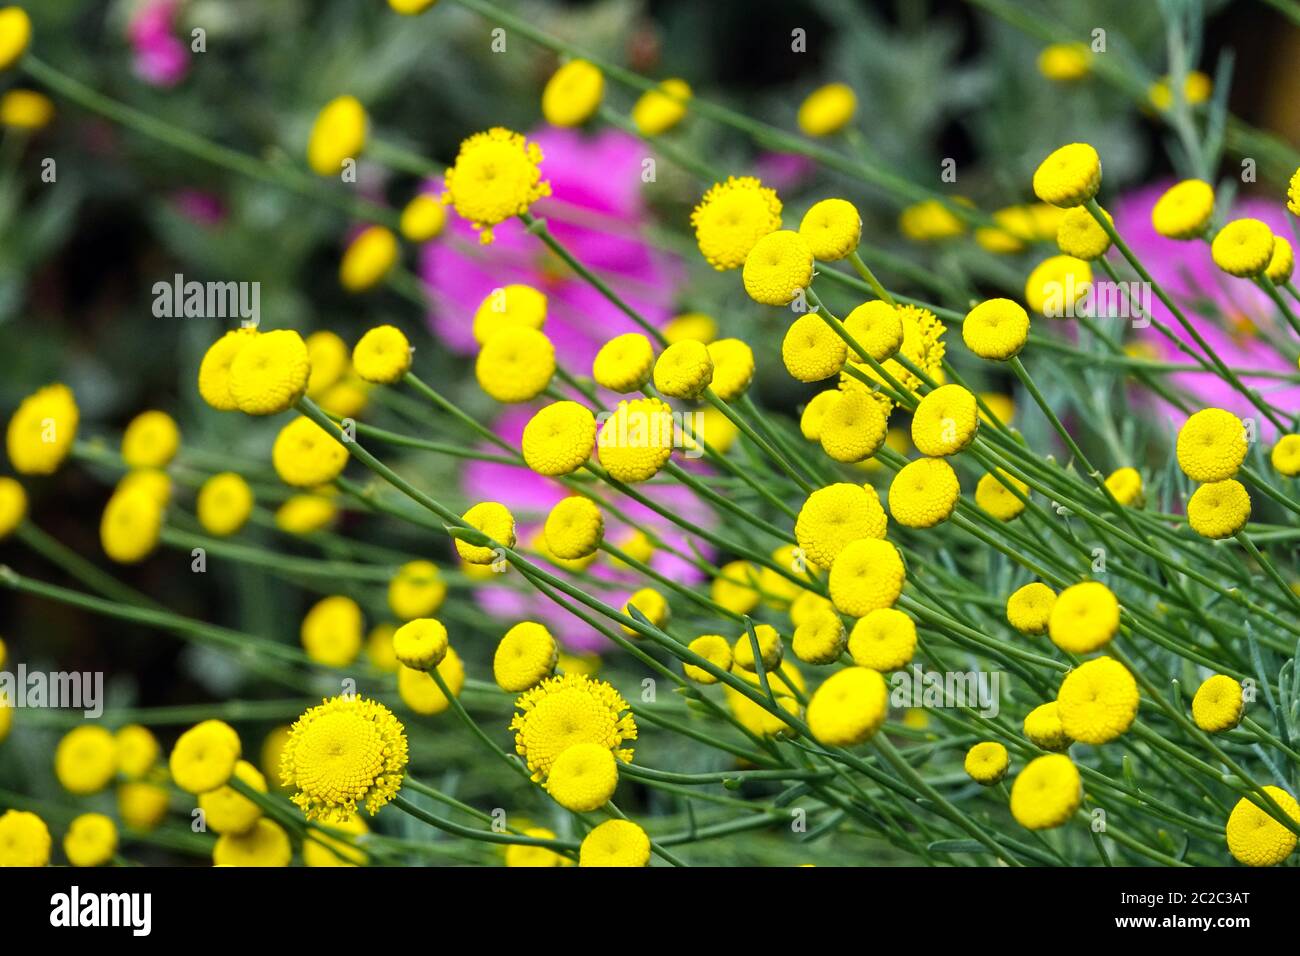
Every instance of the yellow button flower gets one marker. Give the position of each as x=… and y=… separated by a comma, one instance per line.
x=1218, y=704
x=574, y=528
x=1282, y=263
x=1098, y=701
x=1255, y=838
x=494, y=520
x=224, y=504
x=583, y=777
x=866, y=575
x=331, y=631
x=137, y=751
x=1211, y=445
x=510, y=305
x=321, y=850
x=1064, y=62
x=1285, y=457
x=269, y=373
x=559, y=438
x=854, y=427
x=987, y=762
x=659, y=110
x=615, y=843
x=515, y=364
x=85, y=760
x=946, y=421
x=151, y=440
x=819, y=638
x=812, y=350
x=328, y=357
x=265, y=844
x=410, y=8
x=383, y=355
x=1081, y=236
x=15, y=34
x=423, y=219
x=636, y=440
x=876, y=327
x=368, y=259
x=884, y=640
x=1070, y=176
x=994, y=496
x=713, y=648
x=13, y=508
x=733, y=367
x=420, y=692
x=573, y=94
x=91, y=840
x=226, y=810
x=24, y=837
x=996, y=329
x=651, y=605
x=827, y=109
x=1042, y=726
x=1056, y=284
x=684, y=370
x=130, y=525
x=421, y=644
x=814, y=413
x=1030, y=608
x=1046, y=793
x=1293, y=193
x=214, y=370
x=1184, y=211
x=1197, y=88
x=1126, y=485
x=924, y=493
x=930, y=220
x=849, y=707
x=1084, y=618
x=26, y=110
x=1219, y=509
x=526, y=655
x=832, y=228
x=691, y=325
x=623, y=364
x=563, y=711
x=304, y=514
x=42, y=430
x=732, y=217
x=416, y=590
x=305, y=454
x=770, y=649
x=1243, y=248
x=835, y=516
x=204, y=757
x=778, y=267
x=339, y=134
x=734, y=587
x=496, y=177
x=142, y=806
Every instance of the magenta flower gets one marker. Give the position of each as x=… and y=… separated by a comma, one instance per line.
x=1228, y=312
x=160, y=57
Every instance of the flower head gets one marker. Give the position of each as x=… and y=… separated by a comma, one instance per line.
x=420, y=692
x=868, y=574
x=996, y=329
x=1042, y=726
x=515, y=364
x=383, y=355
x=24, y=837
x=496, y=176
x=150, y=440
x=269, y=373
x=224, y=504
x=526, y=656
x=835, y=516
x=421, y=644
x=884, y=640
x=423, y=219
x=733, y=367
x=827, y=109
x=713, y=648
x=945, y=422
x=924, y=493
x=345, y=753
x=1030, y=608
x=42, y=430
x=922, y=345
x=130, y=525
x=1046, y=793
x=226, y=810
x=1211, y=445
x=732, y=217
x=770, y=649
x=811, y=349
x=306, y=455
x=1064, y=62
x=574, y=528
x=1243, y=248
x=1219, y=509
x=684, y=370
x=214, y=370
x=778, y=267
x=636, y=440
x=85, y=759
x=1282, y=263
x=1184, y=211
x=573, y=93
x=510, y=305
x=91, y=840
x=563, y=711
x=854, y=426
x=819, y=638
x=849, y=707
x=1218, y=704
x=1084, y=618
x=331, y=631
x=994, y=495
x=1255, y=838
x=321, y=850
x=494, y=520
x=815, y=412
x=1097, y=701
x=137, y=751
x=1056, y=284
x=264, y=844
x=623, y=364
x=987, y=762
x=337, y=135
x=615, y=843
x=13, y=508
x=204, y=757
x=1081, y=236
x=1126, y=485
x=15, y=34
x=659, y=110
x=416, y=590
x=583, y=777
x=832, y=228
x=559, y=438
x=1070, y=176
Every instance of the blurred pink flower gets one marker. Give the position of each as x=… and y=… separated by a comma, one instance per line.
x=161, y=58
x=597, y=212
x=1226, y=311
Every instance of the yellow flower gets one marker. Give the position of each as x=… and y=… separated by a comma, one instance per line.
x=42, y=430
x=996, y=329
x=142, y=806
x=204, y=757
x=770, y=649
x=423, y=219
x=304, y=514
x=91, y=840
x=26, y=109
x=1056, y=284
x=224, y=503
x=835, y=516
x=832, y=228
x=15, y=34
x=651, y=604
x=382, y=356
x=1282, y=263
x=558, y=439
x=814, y=413
x=1013, y=230
x=868, y=574
x=854, y=427
x=573, y=94
x=1046, y=793
x=946, y=421
x=306, y=455
x=778, y=267
x=515, y=364
x=924, y=493
x=615, y=843
x=733, y=367
x=137, y=751
x=691, y=325
x=1097, y=701
x=226, y=810
x=214, y=370
x=827, y=109
x=713, y=648
x=368, y=259
x=987, y=762
x=1255, y=838
x=420, y=692
x=1184, y=210
x=684, y=370
x=410, y=8
x=380, y=651
x=130, y=526
x=734, y=587
x=1064, y=62
x=526, y=656
x=1211, y=445
x=507, y=307
x=636, y=440
x=416, y=590
x=1293, y=193
x=819, y=638
x=1084, y=618
x=1042, y=726
x=328, y=356
x=849, y=707
x=85, y=760
x=877, y=327
x=583, y=777
x=495, y=521
x=1082, y=236
x=1126, y=485
x=264, y=844
x=732, y=217
x=496, y=176
x=1285, y=457
x=812, y=350
x=13, y=508
x=321, y=850
x=659, y=110
x=930, y=220
x=571, y=709
x=1070, y=176
x=1243, y=248
x=1218, y=704
x=574, y=528
x=754, y=717
x=1219, y=509
x=1197, y=88
x=993, y=495
x=269, y=373
x=1029, y=609
x=523, y=854
x=339, y=134
x=623, y=363
x=922, y=345
x=344, y=753
x=331, y=631
x=421, y=644
x=24, y=837
x=884, y=640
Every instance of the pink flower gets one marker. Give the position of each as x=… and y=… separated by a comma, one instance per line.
x=1226, y=311
x=161, y=58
